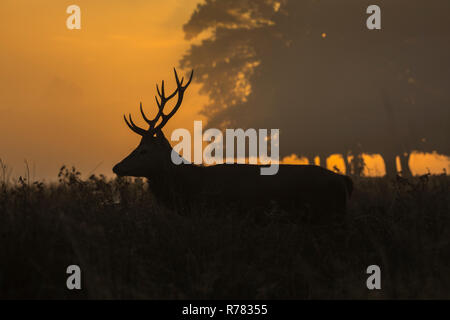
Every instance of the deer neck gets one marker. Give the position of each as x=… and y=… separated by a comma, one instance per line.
x=166, y=169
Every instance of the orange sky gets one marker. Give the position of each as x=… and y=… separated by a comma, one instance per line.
x=63, y=92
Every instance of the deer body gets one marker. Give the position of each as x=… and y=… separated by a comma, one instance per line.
x=292, y=187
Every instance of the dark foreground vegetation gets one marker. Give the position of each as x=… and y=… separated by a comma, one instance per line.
x=130, y=247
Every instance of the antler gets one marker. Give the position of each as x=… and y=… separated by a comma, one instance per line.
x=161, y=104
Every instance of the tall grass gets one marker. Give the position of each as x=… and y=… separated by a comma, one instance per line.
x=128, y=246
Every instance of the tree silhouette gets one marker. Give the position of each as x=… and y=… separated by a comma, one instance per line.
x=313, y=70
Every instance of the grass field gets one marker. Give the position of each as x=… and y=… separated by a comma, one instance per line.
x=130, y=247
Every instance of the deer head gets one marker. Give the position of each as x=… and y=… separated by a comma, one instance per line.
x=153, y=154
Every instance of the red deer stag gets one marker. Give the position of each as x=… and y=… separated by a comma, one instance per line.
x=294, y=186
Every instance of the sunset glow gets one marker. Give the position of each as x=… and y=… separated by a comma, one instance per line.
x=63, y=92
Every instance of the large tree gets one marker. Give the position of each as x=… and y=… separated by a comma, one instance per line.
x=313, y=69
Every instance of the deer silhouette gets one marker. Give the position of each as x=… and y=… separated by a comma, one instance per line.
x=292, y=187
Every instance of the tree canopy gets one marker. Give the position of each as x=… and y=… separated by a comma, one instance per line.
x=314, y=70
